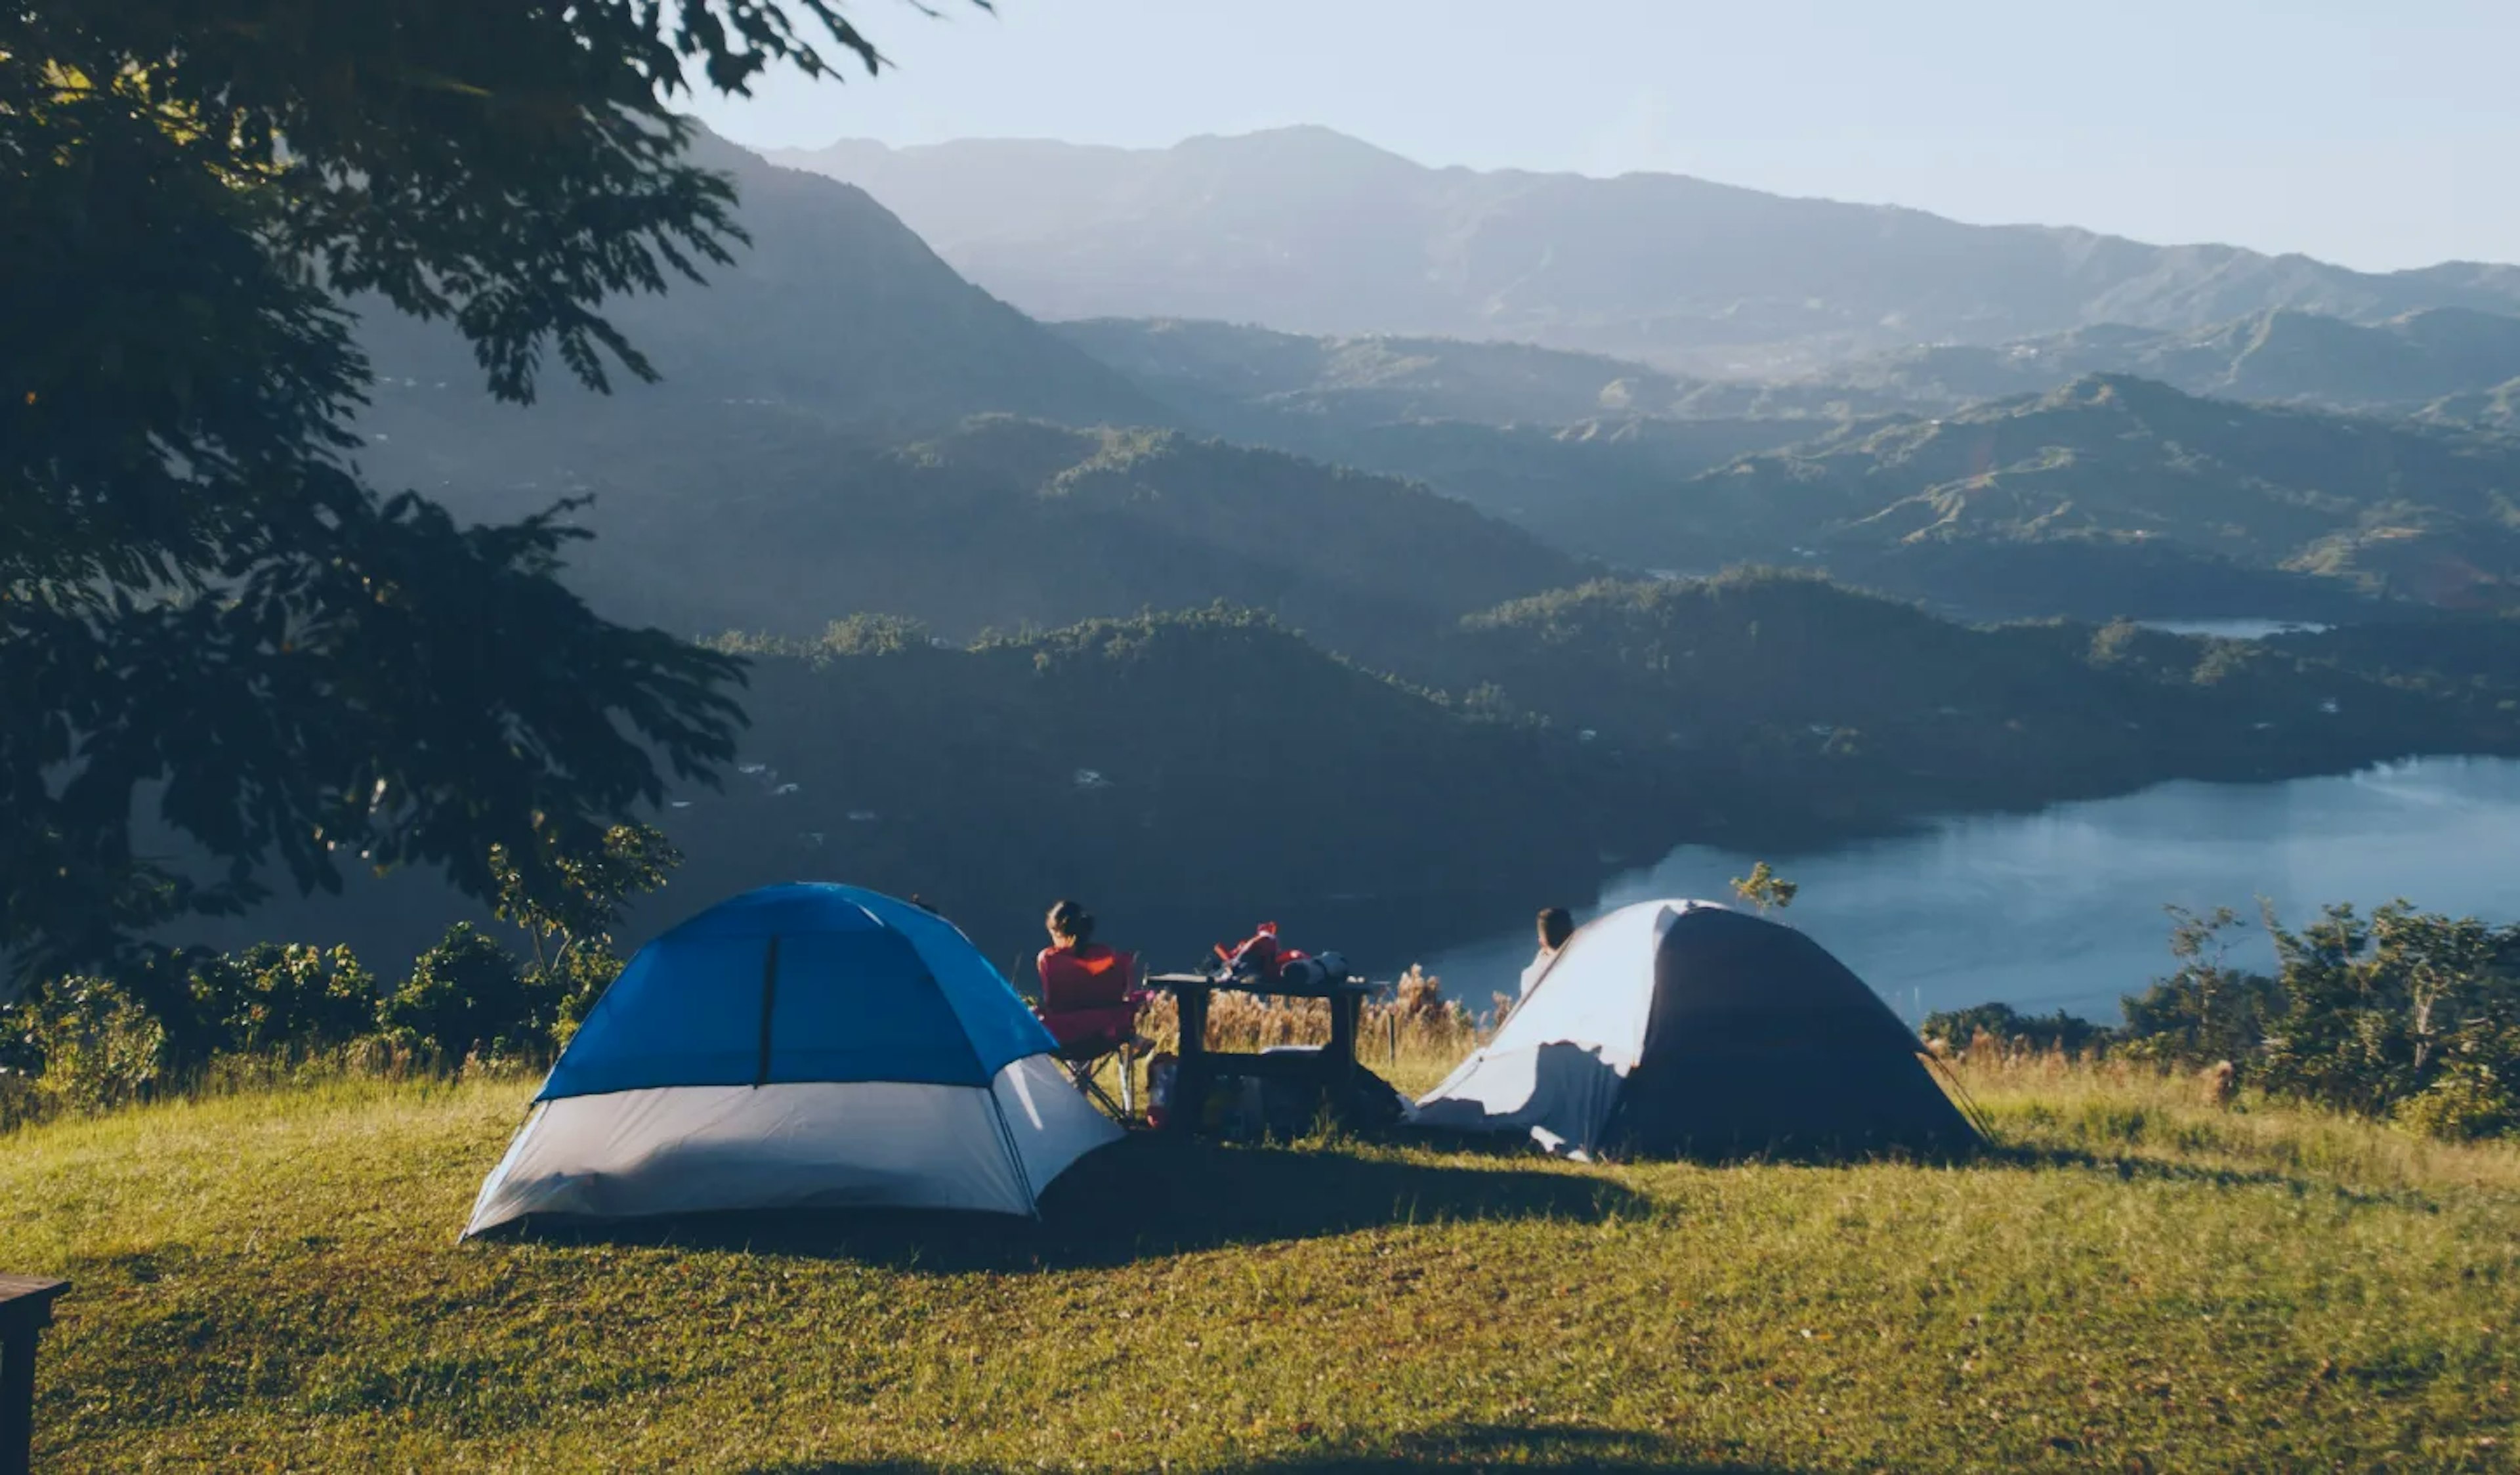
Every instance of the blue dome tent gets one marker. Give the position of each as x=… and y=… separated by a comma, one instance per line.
x=801, y=1045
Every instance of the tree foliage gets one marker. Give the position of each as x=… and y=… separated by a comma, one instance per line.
x=467, y=994
x=202, y=606
x=2401, y=1014
x=1765, y=890
x=2206, y=1010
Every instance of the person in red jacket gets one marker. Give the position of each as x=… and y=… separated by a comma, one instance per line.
x=1088, y=991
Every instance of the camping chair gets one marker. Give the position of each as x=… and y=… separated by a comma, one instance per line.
x=1093, y=1021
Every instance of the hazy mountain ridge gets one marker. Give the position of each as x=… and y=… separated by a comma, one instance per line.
x=2104, y=493
x=837, y=312
x=2386, y=507
x=1213, y=367
x=2496, y=408
x=760, y=518
x=2405, y=364
x=1307, y=231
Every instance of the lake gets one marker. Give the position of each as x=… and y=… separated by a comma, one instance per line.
x=2064, y=908
x=2236, y=630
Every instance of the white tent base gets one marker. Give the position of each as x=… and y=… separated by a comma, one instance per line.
x=805, y=1146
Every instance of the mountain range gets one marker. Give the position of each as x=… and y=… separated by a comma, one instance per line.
x=753, y=516
x=2443, y=363
x=1309, y=231
x=844, y=425
x=847, y=425
x=1220, y=371
x=2127, y=470
x=835, y=316
x=2431, y=362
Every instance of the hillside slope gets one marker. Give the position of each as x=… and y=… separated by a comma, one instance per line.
x=1230, y=368
x=1309, y=231
x=836, y=313
x=1189, y=774
x=2131, y=475
x=2400, y=365
x=758, y=518
x=1786, y=695
x=1541, y=437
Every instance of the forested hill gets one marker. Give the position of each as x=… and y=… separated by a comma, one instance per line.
x=1187, y=774
x=2431, y=361
x=756, y=518
x=1308, y=231
x=835, y=314
x=1230, y=373
x=2131, y=472
x=1798, y=701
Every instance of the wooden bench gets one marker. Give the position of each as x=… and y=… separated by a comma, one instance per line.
x=25, y=1310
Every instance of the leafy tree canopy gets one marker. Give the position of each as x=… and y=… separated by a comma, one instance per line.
x=202, y=606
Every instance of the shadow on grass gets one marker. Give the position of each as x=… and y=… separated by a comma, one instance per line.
x=1474, y=1448
x=2129, y=1168
x=1145, y=1197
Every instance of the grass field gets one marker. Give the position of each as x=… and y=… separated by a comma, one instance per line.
x=2137, y=1281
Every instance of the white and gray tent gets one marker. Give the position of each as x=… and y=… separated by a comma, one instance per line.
x=1686, y=1027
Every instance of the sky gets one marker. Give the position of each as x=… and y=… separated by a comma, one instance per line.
x=2374, y=133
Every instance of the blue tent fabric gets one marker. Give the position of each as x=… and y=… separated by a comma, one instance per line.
x=810, y=982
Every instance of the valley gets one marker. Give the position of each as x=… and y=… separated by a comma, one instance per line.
x=1463, y=639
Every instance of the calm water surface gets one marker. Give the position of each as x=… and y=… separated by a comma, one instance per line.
x=2236, y=630
x=2064, y=908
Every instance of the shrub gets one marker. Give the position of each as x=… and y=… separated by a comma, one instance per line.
x=466, y=995
x=2009, y=1028
x=276, y=999
x=2380, y=1009
x=572, y=987
x=2200, y=1016
x=98, y=1046
x=2468, y=1099
x=2207, y=1012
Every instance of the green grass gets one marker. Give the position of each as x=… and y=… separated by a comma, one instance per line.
x=271, y=1281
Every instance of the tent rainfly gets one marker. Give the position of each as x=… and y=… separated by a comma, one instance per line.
x=798, y=1047
x=1686, y=1027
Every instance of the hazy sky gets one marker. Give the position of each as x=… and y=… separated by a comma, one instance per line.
x=2379, y=133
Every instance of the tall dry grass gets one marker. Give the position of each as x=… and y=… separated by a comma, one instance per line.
x=2116, y=1107
x=1414, y=1019
x=1411, y=1036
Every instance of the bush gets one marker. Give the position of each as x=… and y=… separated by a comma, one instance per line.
x=2380, y=1012
x=2200, y=1016
x=466, y=995
x=98, y=1046
x=275, y=999
x=2059, y=1031
x=573, y=988
x=2206, y=1012
x=2468, y=1099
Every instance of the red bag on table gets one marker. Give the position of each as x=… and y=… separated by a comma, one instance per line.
x=1260, y=956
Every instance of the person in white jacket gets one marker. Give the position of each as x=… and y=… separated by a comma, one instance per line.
x=1556, y=927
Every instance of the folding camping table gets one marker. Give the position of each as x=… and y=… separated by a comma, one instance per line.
x=1333, y=1066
